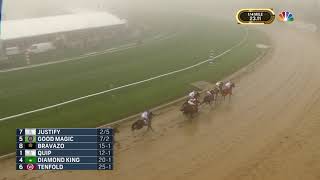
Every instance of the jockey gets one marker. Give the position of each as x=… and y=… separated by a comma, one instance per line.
x=146, y=116
x=219, y=84
x=192, y=102
x=209, y=93
x=228, y=84
x=192, y=95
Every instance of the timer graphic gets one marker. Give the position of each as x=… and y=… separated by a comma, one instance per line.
x=255, y=16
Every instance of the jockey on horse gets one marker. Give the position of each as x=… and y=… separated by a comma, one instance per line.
x=193, y=102
x=228, y=84
x=209, y=93
x=145, y=120
x=210, y=96
x=147, y=117
x=220, y=85
x=227, y=89
x=190, y=107
x=194, y=94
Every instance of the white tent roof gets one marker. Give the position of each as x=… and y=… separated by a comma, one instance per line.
x=15, y=29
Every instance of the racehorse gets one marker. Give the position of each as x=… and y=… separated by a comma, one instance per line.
x=227, y=91
x=188, y=109
x=209, y=98
x=140, y=123
x=216, y=92
x=220, y=87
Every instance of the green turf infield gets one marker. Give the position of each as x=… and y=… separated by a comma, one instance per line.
x=194, y=37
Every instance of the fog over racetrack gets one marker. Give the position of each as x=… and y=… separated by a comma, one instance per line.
x=19, y=9
x=34, y=8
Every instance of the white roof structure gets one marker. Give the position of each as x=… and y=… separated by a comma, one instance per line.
x=16, y=29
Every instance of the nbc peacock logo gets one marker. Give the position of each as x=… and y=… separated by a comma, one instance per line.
x=286, y=16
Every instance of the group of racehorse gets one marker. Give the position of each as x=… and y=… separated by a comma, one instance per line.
x=222, y=89
x=190, y=109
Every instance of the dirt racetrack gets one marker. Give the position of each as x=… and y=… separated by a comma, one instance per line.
x=269, y=130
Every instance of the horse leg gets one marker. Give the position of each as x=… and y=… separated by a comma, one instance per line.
x=211, y=100
x=150, y=127
x=221, y=97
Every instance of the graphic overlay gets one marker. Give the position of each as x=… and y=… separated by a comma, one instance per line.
x=64, y=149
x=286, y=16
x=255, y=16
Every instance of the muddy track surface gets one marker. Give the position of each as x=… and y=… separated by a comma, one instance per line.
x=270, y=129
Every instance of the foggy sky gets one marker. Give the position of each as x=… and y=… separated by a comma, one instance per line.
x=18, y=9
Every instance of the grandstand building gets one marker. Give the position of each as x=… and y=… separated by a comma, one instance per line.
x=62, y=31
